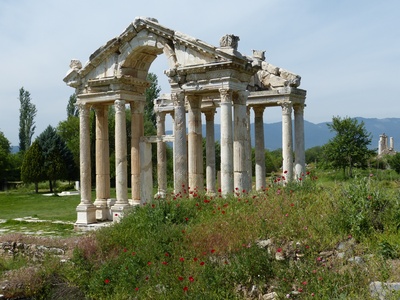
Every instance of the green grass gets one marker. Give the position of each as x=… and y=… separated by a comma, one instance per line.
x=16, y=205
x=200, y=247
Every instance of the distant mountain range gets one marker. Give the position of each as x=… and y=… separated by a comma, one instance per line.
x=319, y=134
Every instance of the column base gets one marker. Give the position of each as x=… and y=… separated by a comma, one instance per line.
x=101, y=209
x=110, y=204
x=133, y=202
x=119, y=210
x=86, y=214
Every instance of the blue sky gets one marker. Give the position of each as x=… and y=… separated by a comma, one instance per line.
x=346, y=51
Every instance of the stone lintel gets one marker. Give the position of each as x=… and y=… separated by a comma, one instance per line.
x=155, y=139
x=109, y=97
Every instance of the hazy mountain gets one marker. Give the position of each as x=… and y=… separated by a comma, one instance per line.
x=319, y=134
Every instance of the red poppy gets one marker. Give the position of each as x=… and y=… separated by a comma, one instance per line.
x=136, y=289
x=180, y=278
x=181, y=259
x=202, y=263
x=195, y=259
x=106, y=281
x=191, y=279
x=185, y=289
x=164, y=263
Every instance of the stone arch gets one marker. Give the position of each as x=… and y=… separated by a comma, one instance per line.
x=202, y=77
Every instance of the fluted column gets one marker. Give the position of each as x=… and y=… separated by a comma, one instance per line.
x=137, y=131
x=241, y=176
x=226, y=142
x=210, y=152
x=195, y=144
x=249, y=151
x=121, y=173
x=259, y=147
x=300, y=161
x=86, y=211
x=287, y=138
x=102, y=162
x=161, y=156
x=180, y=145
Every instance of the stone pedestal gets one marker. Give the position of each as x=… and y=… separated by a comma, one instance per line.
x=86, y=214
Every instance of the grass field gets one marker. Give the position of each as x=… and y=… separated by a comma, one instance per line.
x=20, y=205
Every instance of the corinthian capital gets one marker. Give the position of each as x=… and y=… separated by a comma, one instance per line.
x=286, y=108
x=119, y=105
x=83, y=109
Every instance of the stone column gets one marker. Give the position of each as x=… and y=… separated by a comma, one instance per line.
x=195, y=144
x=180, y=145
x=121, y=173
x=226, y=142
x=86, y=211
x=259, y=147
x=287, y=147
x=102, y=163
x=161, y=156
x=210, y=152
x=240, y=144
x=249, y=151
x=137, y=131
x=300, y=159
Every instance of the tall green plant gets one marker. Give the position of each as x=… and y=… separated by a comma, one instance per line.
x=27, y=116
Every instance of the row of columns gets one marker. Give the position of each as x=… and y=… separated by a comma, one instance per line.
x=105, y=208
x=188, y=157
x=235, y=142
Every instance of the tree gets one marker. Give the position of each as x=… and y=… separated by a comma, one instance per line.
x=313, y=155
x=152, y=93
x=394, y=162
x=32, y=169
x=349, y=148
x=68, y=131
x=58, y=159
x=4, y=155
x=27, y=114
x=72, y=110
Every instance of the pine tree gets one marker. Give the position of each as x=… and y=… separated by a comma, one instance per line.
x=32, y=169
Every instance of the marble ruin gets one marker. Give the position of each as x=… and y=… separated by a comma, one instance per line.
x=383, y=148
x=203, y=78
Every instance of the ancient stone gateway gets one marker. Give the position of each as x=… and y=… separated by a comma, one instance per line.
x=202, y=78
